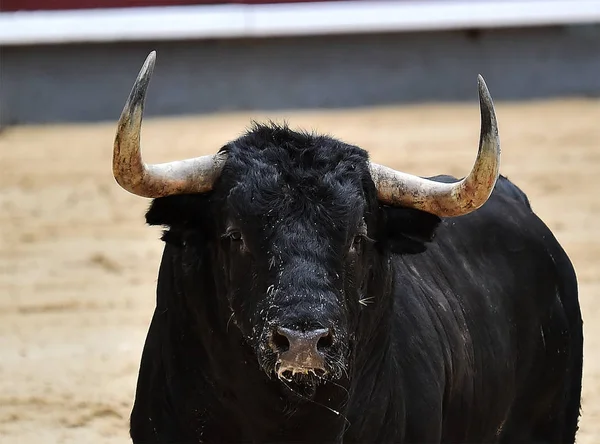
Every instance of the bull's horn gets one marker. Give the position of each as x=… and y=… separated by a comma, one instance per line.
x=448, y=199
x=195, y=175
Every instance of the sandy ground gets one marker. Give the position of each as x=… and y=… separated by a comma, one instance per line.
x=78, y=266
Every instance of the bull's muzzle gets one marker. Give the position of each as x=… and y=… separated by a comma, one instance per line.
x=300, y=352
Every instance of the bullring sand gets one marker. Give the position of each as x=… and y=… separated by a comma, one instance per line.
x=78, y=266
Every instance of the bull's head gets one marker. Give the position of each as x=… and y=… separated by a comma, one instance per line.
x=295, y=227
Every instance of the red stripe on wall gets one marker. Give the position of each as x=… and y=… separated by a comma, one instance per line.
x=31, y=5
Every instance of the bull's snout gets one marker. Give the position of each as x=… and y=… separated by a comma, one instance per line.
x=300, y=351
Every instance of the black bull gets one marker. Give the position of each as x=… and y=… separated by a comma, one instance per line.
x=428, y=330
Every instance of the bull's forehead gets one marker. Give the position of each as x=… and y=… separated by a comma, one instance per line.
x=278, y=170
x=299, y=197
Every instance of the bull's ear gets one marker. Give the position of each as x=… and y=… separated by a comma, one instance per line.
x=182, y=214
x=408, y=231
x=186, y=210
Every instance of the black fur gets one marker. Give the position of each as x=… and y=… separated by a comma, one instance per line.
x=462, y=330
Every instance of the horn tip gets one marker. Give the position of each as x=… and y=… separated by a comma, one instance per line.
x=151, y=57
x=483, y=89
x=138, y=91
x=148, y=66
x=487, y=107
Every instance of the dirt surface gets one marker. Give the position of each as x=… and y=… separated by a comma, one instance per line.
x=78, y=266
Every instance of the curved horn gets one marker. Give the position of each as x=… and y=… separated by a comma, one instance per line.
x=448, y=199
x=195, y=175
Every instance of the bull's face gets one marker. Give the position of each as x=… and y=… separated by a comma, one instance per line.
x=296, y=243
x=293, y=242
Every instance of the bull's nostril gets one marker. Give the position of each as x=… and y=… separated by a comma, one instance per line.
x=300, y=343
x=325, y=341
x=300, y=351
x=280, y=342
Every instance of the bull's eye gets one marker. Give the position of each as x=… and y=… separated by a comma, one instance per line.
x=236, y=240
x=235, y=235
x=356, y=242
x=359, y=238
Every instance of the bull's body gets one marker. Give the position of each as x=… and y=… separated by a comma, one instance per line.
x=472, y=337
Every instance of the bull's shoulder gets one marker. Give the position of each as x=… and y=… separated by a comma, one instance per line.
x=505, y=219
x=504, y=240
